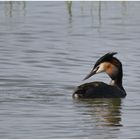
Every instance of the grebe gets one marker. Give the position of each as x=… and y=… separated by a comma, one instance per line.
x=113, y=67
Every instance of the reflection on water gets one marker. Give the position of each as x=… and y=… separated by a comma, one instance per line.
x=14, y=7
x=107, y=112
x=69, y=7
x=95, y=10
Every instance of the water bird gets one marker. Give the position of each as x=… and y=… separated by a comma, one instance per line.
x=113, y=67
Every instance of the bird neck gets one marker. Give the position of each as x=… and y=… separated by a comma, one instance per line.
x=117, y=81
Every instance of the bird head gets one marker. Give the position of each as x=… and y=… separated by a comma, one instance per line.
x=108, y=64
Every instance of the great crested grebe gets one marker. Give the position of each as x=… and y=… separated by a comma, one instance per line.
x=113, y=67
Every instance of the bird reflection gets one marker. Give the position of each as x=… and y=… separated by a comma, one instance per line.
x=104, y=112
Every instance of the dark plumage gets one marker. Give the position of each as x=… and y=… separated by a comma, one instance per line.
x=113, y=67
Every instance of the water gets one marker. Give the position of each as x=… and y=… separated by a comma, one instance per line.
x=46, y=49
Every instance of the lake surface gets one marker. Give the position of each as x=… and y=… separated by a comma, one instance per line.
x=46, y=49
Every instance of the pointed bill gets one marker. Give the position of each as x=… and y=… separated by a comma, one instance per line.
x=91, y=73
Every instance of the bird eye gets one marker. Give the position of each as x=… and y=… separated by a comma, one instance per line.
x=97, y=68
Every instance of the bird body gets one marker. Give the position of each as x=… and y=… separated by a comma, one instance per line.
x=113, y=67
x=98, y=90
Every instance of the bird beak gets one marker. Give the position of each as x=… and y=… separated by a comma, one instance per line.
x=94, y=71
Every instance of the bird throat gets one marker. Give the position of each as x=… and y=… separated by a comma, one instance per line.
x=117, y=84
x=113, y=82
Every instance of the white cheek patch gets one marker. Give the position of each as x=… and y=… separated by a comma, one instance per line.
x=101, y=68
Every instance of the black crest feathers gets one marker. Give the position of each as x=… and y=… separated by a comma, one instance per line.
x=104, y=58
